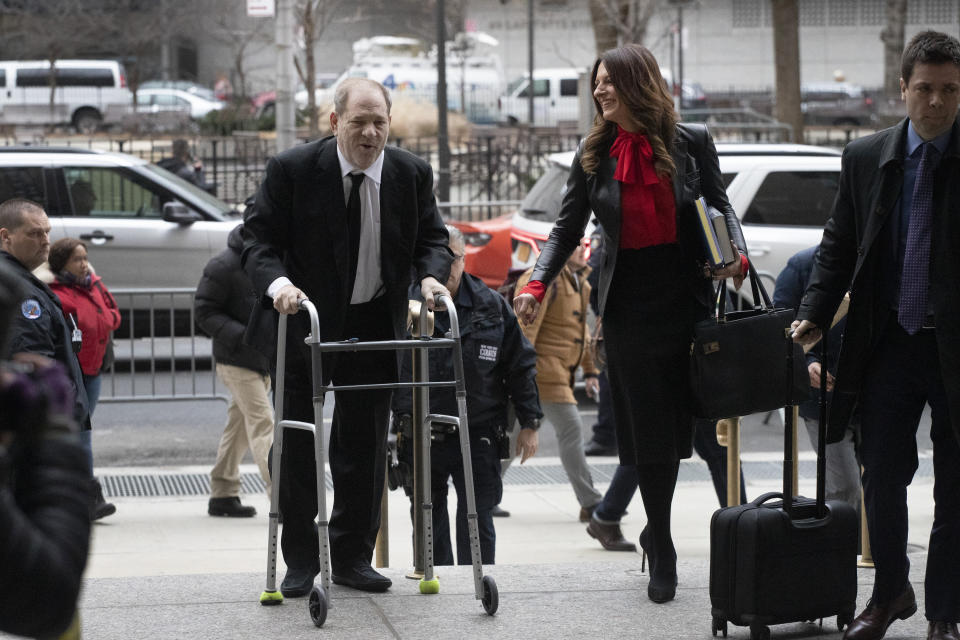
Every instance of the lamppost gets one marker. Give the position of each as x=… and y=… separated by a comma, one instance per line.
x=678, y=78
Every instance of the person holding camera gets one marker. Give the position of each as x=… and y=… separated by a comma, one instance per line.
x=44, y=496
x=499, y=367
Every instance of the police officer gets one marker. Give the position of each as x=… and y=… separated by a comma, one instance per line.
x=499, y=367
x=39, y=326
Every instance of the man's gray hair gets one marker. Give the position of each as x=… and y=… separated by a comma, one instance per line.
x=456, y=236
x=342, y=93
x=13, y=211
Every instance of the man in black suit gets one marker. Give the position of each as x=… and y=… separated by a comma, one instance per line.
x=892, y=240
x=342, y=221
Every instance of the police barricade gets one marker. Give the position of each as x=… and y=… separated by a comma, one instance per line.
x=157, y=353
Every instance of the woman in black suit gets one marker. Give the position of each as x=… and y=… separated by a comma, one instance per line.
x=639, y=171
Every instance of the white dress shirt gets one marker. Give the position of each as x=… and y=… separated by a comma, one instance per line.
x=368, y=282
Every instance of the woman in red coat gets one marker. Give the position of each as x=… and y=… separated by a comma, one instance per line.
x=87, y=303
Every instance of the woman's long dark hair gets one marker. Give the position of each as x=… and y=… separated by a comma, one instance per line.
x=635, y=74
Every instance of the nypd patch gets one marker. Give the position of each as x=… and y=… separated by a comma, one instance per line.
x=30, y=309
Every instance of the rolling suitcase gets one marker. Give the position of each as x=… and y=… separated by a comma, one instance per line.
x=785, y=558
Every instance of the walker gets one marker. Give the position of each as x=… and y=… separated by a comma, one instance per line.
x=318, y=603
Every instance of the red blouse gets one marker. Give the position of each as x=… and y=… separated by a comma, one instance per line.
x=648, y=213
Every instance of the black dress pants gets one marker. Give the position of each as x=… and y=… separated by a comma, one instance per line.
x=357, y=451
x=903, y=375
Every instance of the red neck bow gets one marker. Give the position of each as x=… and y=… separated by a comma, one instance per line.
x=634, y=158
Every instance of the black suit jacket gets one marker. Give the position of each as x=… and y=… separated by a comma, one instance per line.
x=851, y=255
x=697, y=173
x=297, y=228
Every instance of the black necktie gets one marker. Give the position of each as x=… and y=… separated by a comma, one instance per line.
x=353, y=225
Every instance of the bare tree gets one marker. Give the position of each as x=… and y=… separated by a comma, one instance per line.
x=52, y=30
x=786, y=53
x=243, y=36
x=617, y=22
x=136, y=29
x=313, y=17
x=892, y=37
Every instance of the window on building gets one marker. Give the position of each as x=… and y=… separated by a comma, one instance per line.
x=794, y=198
x=914, y=13
x=812, y=13
x=941, y=11
x=871, y=12
x=746, y=14
x=842, y=14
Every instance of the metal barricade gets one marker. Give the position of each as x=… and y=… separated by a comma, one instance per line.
x=158, y=354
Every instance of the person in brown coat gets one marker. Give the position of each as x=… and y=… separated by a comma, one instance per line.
x=560, y=336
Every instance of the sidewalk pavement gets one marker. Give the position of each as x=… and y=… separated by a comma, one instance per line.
x=162, y=568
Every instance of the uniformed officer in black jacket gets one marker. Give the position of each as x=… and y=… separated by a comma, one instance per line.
x=500, y=367
x=38, y=325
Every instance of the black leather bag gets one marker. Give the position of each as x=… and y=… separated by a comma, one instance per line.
x=741, y=361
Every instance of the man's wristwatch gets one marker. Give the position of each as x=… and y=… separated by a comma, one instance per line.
x=532, y=423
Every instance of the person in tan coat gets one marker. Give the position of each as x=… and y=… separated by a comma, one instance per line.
x=561, y=337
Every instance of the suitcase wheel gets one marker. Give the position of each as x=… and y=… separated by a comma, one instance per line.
x=759, y=632
x=719, y=624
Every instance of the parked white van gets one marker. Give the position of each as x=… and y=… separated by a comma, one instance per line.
x=88, y=93
x=554, y=98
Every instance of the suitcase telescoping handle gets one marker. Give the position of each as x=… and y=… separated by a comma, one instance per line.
x=822, y=431
x=789, y=428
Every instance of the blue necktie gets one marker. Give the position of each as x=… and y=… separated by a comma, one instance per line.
x=915, y=279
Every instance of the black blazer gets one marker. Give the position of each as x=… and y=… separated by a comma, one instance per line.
x=697, y=173
x=297, y=228
x=851, y=255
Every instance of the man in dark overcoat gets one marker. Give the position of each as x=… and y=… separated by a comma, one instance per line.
x=341, y=221
x=893, y=239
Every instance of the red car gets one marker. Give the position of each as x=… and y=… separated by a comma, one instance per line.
x=488, y=251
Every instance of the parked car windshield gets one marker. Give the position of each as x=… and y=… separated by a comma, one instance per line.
x=543, y=200
x=226, y=211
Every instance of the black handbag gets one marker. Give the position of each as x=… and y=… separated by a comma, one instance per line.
x=744, y=362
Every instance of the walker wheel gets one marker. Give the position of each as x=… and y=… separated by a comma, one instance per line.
x=430, y=586
x=317, y=605
x=491, y=598
x=271, y=598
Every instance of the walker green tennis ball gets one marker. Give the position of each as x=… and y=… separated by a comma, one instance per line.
x=430, y=586
x=268, y=598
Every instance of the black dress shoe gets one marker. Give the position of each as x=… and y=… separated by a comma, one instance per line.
x=499, y=512
x=230, y=508
x=610, y=536
x=362, y=577
x=663, y=571
x=298, y=582
x=872, y=623
x=594, y=448
x=943, y=631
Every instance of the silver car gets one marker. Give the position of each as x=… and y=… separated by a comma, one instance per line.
x=783, y=194
x=144, y=227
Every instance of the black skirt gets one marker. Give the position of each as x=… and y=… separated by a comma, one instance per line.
x=648, y=324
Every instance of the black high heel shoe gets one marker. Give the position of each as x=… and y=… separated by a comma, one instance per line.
x=663, y=584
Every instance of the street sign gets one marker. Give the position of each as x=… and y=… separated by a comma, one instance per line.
x=260, y=8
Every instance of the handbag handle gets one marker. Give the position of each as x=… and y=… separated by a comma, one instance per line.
x=761, y=300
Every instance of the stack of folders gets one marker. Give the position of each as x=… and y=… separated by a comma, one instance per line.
x=716, y=238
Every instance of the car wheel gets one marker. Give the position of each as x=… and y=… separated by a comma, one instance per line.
x=87, y=120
